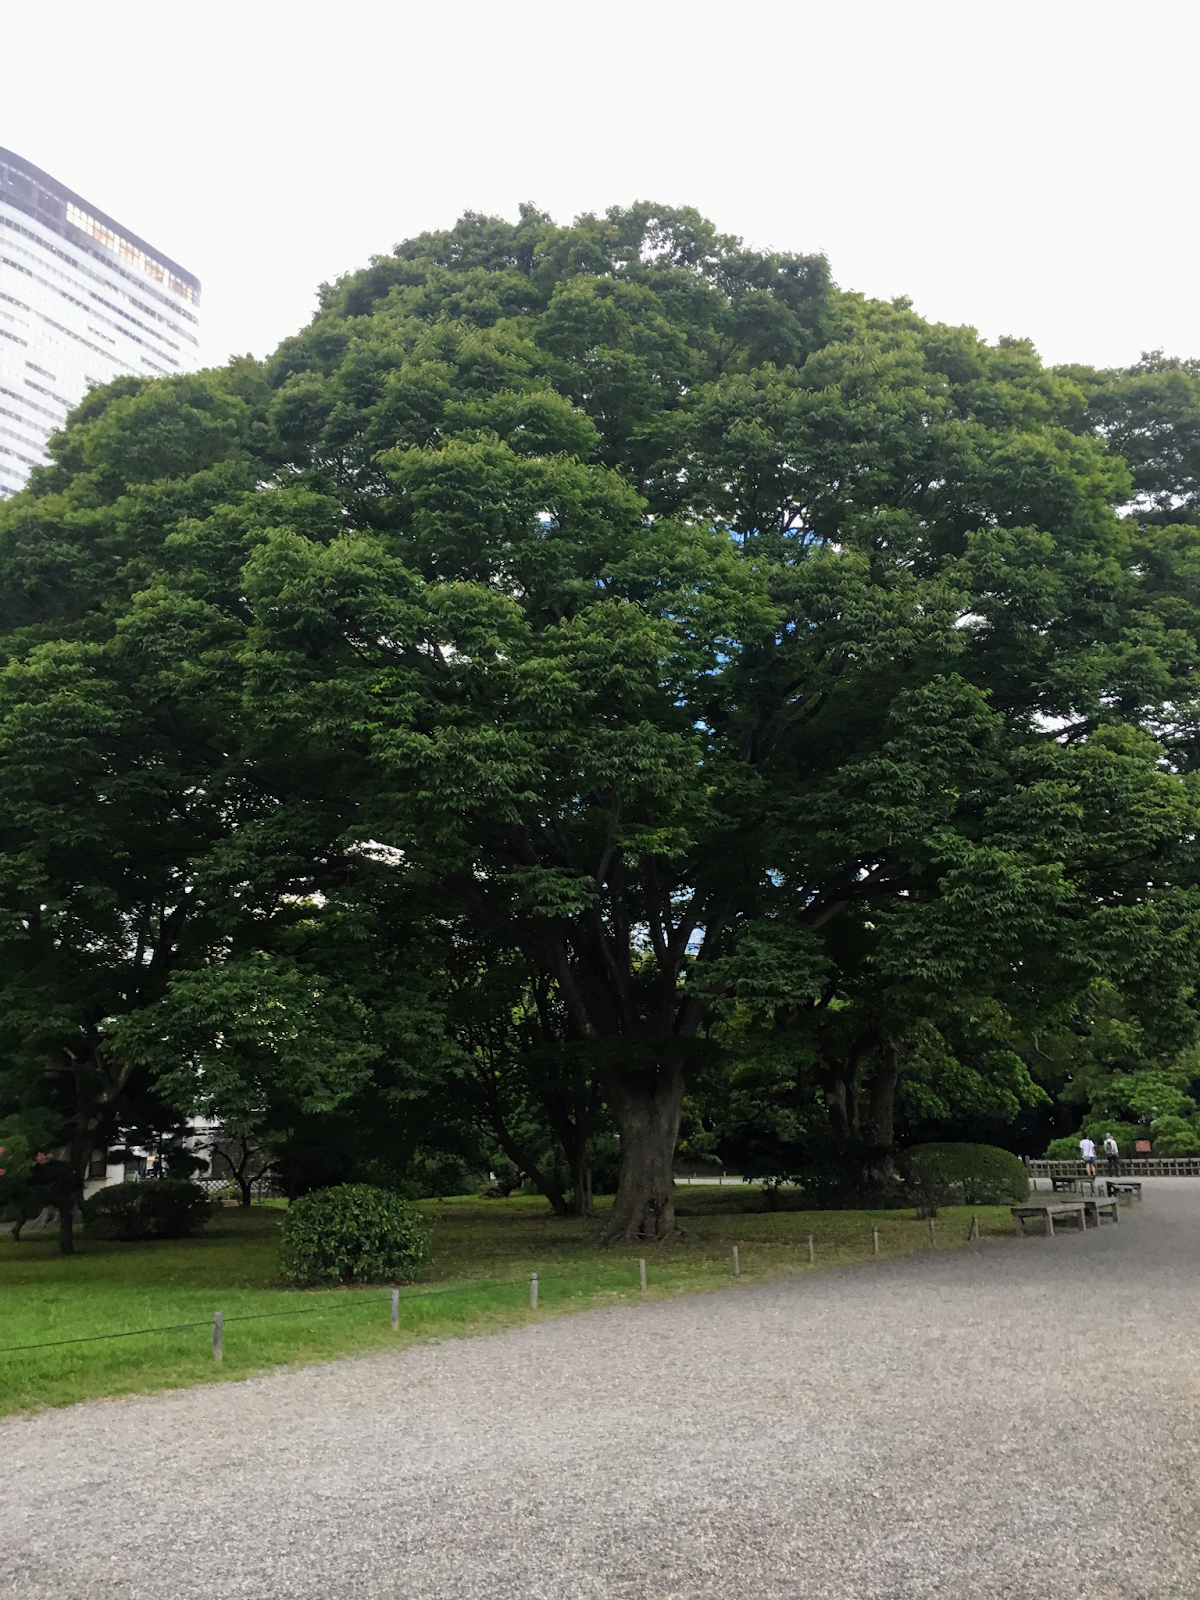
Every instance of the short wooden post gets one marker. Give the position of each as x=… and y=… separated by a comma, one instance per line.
x=812, y=1254
x=218, y=1336
x=974, y=1233
x=395, y=1308
x=932, y=1238
x=533, y=1291
x=641, y=1272
x=737, y=1266
x=875, y=1240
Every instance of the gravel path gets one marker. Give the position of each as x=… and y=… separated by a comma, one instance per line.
x=1016, y=1420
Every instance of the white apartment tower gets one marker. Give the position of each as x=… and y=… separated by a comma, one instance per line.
x=82, y=301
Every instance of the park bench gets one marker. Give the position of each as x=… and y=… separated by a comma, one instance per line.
x=1125, y=1186
x=1048, y=1210
x=1074, y=1185
x=1094, y=1209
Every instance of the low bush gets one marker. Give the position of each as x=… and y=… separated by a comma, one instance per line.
x=355, y=1233
x=163, y=1208
x=981, y=1173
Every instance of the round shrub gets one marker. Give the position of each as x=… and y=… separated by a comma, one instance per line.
x=981, y=1173
x=162, y=1208
x=355, y=1233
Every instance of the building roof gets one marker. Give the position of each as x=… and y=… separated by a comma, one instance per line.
x=46, y=200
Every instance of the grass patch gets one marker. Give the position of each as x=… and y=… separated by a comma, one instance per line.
x=477, y=1280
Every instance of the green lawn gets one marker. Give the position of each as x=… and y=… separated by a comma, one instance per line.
x=476, y=1280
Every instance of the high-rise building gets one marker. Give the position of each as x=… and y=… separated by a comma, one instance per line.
x=82, y=301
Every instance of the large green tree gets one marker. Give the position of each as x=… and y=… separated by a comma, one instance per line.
x=708, y=641
x=799, y=660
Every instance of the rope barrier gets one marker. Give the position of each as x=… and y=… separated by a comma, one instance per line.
x=357, y=1301
x=246, y=1316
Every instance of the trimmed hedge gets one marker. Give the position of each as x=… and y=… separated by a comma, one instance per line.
x=983, y=1174
x=355, y=1233
x=160, y=1208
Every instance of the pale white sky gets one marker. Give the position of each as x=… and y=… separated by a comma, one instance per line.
x=1029, y=166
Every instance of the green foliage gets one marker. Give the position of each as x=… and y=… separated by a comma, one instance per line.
x=1150, y=413
x=980, y=1173
x=1125, y=1133
x=1140, y=1100
x=231, y=1035
x=17, y=1156
x=355, y=1233
x=1176, y=1136
x=728, y=660
x=430, y=1175
x=163, y=1209
x=1064, y=1149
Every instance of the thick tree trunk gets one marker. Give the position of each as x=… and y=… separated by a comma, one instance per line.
x=862, y=1111
x=841, y=1097
x=879, y=1130
x=645, y=1105
x=881, y=1101
x=66, y=1225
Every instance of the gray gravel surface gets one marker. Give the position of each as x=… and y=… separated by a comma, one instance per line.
x=1019, y=1419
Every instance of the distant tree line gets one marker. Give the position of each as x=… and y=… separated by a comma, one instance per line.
x=601, y=695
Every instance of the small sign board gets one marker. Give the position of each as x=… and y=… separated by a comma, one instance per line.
x=1142, y=1146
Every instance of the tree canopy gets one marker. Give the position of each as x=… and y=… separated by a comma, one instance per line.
x=590, y=663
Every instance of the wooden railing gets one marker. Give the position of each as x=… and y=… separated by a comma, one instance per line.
x=1131, y=1167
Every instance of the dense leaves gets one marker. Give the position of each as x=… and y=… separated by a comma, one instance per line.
x=352, y=1234
x=167, y=1209
x=589, y=663
x=975, y=1174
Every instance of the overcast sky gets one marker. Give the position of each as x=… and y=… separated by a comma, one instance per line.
x=1028, y=166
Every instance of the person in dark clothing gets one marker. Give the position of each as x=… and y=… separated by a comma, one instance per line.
x=1113, y=1151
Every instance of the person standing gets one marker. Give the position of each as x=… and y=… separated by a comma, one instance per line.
x=1087, y=1150
x=1113, y=1151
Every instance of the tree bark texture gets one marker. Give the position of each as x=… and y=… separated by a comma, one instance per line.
x=860, y=1097
x=645, y=1104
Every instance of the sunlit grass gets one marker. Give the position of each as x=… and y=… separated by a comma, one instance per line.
x=477, y=1280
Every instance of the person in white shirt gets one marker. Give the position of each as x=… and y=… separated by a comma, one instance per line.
x=1087, y=1150
x=1113, y=1151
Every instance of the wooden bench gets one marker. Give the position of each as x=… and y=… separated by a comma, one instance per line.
x=1125, y=1186
x=1075, y=1185
x=1048, y=1210
x=1095, y=1209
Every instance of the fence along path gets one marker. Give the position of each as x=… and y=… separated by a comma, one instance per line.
x=1130, y=1167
